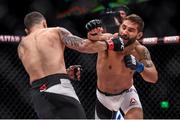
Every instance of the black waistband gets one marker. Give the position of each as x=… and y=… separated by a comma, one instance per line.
x=49, y=80
x=111, y=94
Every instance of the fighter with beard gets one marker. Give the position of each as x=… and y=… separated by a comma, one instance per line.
x=115, y=89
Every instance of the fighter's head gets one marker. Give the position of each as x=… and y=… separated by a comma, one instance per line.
x=123, y=11
x=34, y=19
x=131, y=29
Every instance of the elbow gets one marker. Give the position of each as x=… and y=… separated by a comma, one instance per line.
x=154, y=78
x=151, y=78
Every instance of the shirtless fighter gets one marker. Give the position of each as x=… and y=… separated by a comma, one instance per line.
x=115, y=89
x=42, y=55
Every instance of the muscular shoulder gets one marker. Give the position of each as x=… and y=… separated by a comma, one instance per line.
x=63, y=31
x=22, y=42
x=143, y=52
x=20, y=47
x=139, y=48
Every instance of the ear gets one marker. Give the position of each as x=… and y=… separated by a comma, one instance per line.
x=140, y=34
x=26, y=30
x=44, y=24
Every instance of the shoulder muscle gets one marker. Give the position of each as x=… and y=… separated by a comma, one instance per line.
x=144, y=55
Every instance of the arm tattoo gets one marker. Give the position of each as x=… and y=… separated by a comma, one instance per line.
x=146, y=58
x=146, y=54
x=69, y=39
x=73, y=41
x=148, y=64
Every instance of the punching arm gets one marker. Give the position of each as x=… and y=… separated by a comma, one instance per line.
x=80, y=44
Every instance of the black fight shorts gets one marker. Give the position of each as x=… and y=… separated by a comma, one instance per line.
x=59, y=102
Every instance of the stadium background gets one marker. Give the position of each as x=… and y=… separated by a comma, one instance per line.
x=161, y=19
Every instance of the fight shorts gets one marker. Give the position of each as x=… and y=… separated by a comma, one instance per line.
x=54, y=97
x=108, y=104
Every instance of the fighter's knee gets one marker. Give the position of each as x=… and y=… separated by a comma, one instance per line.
x=135, y=113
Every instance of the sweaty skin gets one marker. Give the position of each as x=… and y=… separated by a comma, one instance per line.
x=113, y=75
x=42, y=51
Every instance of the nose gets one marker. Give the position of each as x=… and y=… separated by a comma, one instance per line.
x=124, y=32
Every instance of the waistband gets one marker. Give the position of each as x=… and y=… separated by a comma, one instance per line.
x=48, y=81
x=111, y=94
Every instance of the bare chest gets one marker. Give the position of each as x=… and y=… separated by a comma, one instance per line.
x=115, y=60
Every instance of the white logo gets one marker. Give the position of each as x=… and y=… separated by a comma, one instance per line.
x=119, y=116
x=122, y=43
x=133, y=60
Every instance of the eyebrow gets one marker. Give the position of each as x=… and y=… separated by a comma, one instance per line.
x=128, y=27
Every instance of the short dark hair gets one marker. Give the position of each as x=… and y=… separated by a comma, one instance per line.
x=136, y=19
x=33, y=18
x=123, y=8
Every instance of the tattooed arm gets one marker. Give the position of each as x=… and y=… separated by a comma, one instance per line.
x=80, y=44
x=150, y=73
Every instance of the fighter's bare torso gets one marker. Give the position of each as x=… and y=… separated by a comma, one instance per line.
x=113, y=75
x=42, y=53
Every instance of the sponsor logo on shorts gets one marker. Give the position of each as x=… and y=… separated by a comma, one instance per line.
x=43, y=87
x=133, y=102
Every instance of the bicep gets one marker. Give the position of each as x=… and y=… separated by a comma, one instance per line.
x=69, y=39
x=145, y=57
x=73, y=41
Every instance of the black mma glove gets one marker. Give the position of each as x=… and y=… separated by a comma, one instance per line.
x=93, y=24
x=115, y=44
x=132, y=63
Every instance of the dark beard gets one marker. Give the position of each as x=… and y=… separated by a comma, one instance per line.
x=130, y=40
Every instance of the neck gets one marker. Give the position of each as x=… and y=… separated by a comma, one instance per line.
x=129, y=48
x=37, y=27
x=130, y=42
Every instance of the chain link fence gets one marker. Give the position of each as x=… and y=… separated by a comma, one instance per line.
x=14, y=85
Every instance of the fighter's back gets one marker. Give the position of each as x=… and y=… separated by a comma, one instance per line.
x=42, y=53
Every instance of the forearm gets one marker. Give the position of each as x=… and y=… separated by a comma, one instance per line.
x=84, y=45
x=150, y=74
x=93, y=46
x=100, y=37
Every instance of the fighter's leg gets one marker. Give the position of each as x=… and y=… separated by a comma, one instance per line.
x=131, y=105
x=118, y=115
x=101, y=112
x=55, y=97
x=134, y=113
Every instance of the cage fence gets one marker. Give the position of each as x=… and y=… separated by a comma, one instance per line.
x=16, y=100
